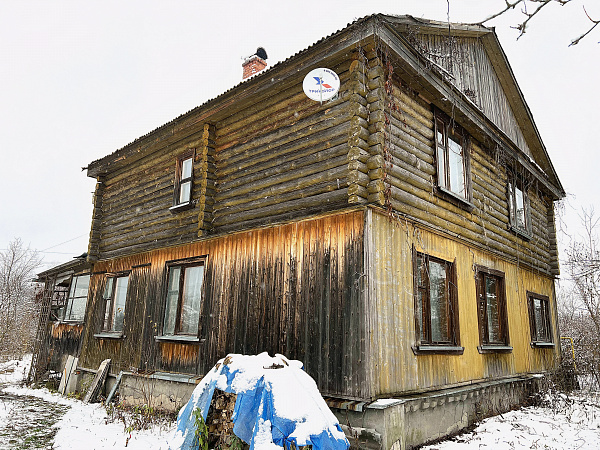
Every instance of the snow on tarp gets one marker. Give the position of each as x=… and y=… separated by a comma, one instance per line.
x=277, y=404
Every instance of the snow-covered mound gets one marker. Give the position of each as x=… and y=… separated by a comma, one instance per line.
x=277, y=404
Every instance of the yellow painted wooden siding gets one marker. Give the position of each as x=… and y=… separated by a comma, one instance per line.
x=394, y=368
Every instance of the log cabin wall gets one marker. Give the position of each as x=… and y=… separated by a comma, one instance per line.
x=395, y=368
x=403, y=178
x=274, y=158
x=284, y=156
x=136, y=198
x=293, y=289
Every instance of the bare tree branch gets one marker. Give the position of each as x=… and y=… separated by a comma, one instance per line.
x=539, y=4
x=595, y=23
x=17, y=303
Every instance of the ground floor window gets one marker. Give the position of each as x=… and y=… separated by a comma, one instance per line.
x=435, y=301
x=115, y=297
x=539, y=318
x=77, y=300
x=184, y=298
x=491, y=307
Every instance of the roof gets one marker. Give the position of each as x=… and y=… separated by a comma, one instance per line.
x=77, y=264
x=389, y=27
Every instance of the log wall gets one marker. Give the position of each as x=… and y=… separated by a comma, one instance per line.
x=135, y=201
x=403, y=175
x=285, y=156
x=291, y=289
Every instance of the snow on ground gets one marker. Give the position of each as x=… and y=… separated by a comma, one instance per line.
x=15, y=371
x=84, y=425
x=564, y=422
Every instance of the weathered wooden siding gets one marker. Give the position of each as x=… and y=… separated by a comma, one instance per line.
x=293, y=289
x=127, y=353
x=63, y=340
x=283, y=155
x=471, y=70
x=391, y=321
x=403, y=176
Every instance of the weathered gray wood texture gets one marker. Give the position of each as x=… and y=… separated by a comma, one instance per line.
x=293, y=289
x=470, y=69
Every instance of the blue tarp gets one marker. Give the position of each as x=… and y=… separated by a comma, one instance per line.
x=277, y=404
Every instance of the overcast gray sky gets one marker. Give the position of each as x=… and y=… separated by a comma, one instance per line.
x=79, y=80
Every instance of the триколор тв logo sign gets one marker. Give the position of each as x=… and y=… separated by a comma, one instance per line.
x=321, y=84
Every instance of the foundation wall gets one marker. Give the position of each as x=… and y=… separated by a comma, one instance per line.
x=408, y=422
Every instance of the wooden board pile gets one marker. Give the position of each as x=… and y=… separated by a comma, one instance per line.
x=218, y=420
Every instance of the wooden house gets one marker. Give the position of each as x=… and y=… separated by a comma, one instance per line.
x=398, y=239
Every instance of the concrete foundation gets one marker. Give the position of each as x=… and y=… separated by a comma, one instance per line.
x=396, y=423
x=163, y=391
x=407, y=422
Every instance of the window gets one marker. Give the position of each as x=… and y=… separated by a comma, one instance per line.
x=115, y=296
x=539, y=318
x=184, y=298
x=184, y=175
x=436, y=307
x=491, y=309
x=518, y=204
x=75, y=306
x=451, y=157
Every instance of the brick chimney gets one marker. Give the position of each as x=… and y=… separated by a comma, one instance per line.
x=255, y=63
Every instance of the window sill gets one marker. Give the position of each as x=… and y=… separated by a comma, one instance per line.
x=181, y=207
x=109, y=335
x=179, y=338
x=542, y=344
x=454, y=198
x=437, y=349
x=71, y=322
x=490, y=348
x=521, y=233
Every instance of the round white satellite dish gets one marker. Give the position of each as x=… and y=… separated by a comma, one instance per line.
x=321, y=84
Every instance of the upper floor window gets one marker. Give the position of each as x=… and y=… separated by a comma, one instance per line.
x=518, y=204
x=184, y=298
x=436, y=306
x=539, y=318
x=77, y=300
x=451, y=157
x=115, y=297
x=184, y=181
x=491, y=309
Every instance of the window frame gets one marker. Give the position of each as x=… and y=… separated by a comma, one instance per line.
x=178, y=334
x=180, y=181
x=547, y=318
x=108, y=329
x=423, y=315
x=485, y=345
x=514, y=183
x=70, y=298
x=448, y=128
